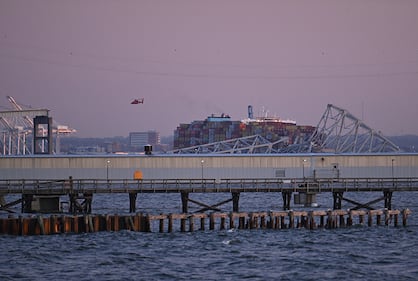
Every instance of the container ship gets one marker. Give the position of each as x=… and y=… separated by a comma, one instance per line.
x=221, y=127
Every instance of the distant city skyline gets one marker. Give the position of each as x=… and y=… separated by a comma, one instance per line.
x=87, y=61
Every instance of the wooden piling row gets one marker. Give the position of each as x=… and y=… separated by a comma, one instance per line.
x=40, y=225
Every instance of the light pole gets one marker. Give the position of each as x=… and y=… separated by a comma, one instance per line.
x=393, y=173
x=202, y=162
x=303, y=168
x=107, y=169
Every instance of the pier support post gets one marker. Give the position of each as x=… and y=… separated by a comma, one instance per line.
x=170, y=223
x=202, y=223
x=132, y=202
x=405, y=214
x=388, y=199
x=212, y=221
x=27, y=203
x=287, y=197
x=87, y=201
x=83, y=207
x=184, y=201
x=338, y=196
x=235, y=202
x=330, y=219
x=291, y=220
x=161, y=226
x=231, y=220
x=72, y=208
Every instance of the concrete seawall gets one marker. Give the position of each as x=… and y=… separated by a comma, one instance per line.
x=211, y=166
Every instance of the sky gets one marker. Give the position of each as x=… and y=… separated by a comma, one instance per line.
x=86, y=60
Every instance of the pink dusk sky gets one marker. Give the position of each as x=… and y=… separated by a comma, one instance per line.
x=86, y=60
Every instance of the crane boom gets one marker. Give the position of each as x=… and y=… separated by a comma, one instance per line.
x=16, y=106
x=6, y=123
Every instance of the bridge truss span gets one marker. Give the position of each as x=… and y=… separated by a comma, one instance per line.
x=340, y=131
x=246, y=145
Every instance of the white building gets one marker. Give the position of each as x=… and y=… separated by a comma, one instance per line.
x=140, y=139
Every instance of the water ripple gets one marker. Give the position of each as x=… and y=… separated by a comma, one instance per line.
x=356, y=253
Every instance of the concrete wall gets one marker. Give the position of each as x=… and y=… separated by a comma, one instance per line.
x=211, y=166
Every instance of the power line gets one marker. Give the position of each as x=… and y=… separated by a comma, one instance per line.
x=209, y=75
x=125, y=59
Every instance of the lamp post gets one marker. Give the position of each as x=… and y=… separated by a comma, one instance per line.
x=393, y=173
x=202, y=162
x=107, y=169
x=303, y=168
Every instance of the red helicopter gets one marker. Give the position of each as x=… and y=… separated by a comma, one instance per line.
x=137, y=101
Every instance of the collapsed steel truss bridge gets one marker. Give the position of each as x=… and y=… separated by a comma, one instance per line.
x=341, y=132
x=338, y=131
x=247, y=145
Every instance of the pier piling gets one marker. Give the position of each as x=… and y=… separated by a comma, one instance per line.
x=41, y=225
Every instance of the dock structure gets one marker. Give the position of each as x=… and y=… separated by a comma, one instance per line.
x=165, y=223
x=300, y=176
x=81, y=191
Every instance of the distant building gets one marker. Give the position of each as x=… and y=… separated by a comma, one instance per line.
x=220, y=128
x=137, y=140
x=112, y=147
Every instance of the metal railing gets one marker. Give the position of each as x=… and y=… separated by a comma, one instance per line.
x=68, y=186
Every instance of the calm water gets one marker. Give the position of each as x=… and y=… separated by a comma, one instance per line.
x=357, y=253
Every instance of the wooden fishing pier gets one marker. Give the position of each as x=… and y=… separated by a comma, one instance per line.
x=81, y=191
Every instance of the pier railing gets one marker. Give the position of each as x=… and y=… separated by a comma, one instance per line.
x=68, y=186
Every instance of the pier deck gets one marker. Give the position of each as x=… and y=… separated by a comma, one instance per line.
x=69, y=186
x=84, y=189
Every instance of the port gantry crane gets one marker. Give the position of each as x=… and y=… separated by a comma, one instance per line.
x=17, y=126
